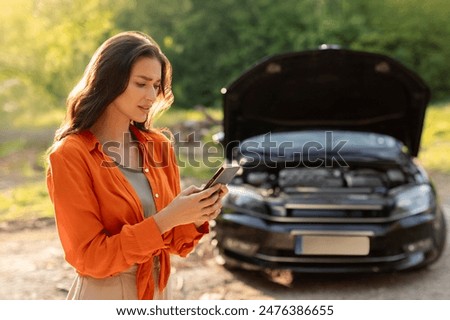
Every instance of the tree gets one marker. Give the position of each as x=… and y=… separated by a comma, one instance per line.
x=212, y=42
x=46, y=45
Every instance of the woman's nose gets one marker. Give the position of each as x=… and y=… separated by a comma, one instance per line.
x=151, y=94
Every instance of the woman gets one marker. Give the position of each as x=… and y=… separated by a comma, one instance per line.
x=114, y=181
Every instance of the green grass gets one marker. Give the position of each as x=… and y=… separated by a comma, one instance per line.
x=12, y=146
x=26, y=201
x=435, y=145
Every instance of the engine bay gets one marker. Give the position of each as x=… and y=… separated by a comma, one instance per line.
x=356, y=177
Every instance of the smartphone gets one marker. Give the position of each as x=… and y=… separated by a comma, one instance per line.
x=223, y=175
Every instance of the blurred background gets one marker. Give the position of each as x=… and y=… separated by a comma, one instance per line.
x=46, y=44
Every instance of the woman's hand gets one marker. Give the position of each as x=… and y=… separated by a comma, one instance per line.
x=192, y=205
x=223, y=190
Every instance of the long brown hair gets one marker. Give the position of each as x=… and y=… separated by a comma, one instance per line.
x=107, y=76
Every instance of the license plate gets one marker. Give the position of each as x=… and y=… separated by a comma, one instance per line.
x=332, y=245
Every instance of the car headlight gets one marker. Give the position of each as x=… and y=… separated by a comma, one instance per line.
x=245, y=200
x=413, y=200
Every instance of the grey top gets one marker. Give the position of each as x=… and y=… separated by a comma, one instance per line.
x=140, y=184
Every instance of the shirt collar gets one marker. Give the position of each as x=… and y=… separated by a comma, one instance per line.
x=92, y=143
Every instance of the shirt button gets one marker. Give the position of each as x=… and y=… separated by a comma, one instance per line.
x=156, y=195
x=146, y=170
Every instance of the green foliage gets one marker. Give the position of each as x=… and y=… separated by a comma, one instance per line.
x=212, y=42
x=222, y=38
x=413, y=32
x=435, y=146
x=46, y=45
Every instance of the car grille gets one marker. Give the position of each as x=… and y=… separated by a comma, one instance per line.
x=336, y=207
x=347, y=215
x=338, y=210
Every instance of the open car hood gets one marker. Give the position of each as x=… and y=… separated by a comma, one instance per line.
x=326, y=89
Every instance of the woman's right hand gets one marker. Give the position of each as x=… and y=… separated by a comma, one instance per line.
x=192, y=205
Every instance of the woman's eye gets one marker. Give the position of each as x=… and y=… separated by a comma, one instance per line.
x=140, y=84
x=157, y=87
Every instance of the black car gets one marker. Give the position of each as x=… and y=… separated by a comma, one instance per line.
x=327, y=140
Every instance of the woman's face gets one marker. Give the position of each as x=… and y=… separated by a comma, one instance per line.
x=142, y=89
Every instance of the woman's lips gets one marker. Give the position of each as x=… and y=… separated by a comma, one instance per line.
x=146, y=109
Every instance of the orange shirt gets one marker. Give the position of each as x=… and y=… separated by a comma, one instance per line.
x=100, y=218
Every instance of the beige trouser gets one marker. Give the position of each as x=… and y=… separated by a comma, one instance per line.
x=119, y=287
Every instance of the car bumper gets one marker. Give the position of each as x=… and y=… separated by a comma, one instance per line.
x=254, y=243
